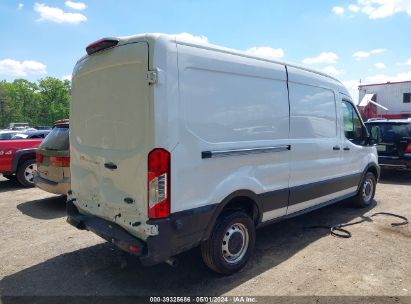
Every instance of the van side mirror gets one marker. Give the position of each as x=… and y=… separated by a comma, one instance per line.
x=375, y=137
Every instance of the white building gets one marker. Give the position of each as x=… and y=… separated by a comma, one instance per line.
x=394, y=96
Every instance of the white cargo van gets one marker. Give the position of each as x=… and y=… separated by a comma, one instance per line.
x=176, y=144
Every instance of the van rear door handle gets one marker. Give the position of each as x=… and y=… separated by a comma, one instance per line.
x=110, y=165
x=346, y=149
x=336, y=148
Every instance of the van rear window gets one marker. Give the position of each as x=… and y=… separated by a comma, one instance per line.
x=57, y=140
x=391, y=132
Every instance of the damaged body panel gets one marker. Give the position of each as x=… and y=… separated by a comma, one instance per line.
x=111, y=117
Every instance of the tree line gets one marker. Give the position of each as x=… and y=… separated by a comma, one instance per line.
x=38, y=103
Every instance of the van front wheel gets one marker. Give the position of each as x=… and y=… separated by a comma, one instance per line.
x=230, y=244
x=366, y=192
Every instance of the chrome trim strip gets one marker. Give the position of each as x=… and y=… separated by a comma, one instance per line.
x=246, y=151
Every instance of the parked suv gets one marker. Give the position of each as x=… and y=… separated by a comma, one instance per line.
x=394, y=149
x=53, y=160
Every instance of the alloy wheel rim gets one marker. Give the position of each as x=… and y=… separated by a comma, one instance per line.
x=29, y=173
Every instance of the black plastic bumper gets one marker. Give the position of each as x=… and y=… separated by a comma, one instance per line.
x=177, y=233
x=111, y=232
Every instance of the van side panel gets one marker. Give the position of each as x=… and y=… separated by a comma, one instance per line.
x=166, y=93
x=230, y=103
x=317, y=159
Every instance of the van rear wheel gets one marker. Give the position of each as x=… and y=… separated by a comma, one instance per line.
x=366, y=192
x=230, y=244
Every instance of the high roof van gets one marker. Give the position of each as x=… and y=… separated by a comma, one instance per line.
x=176, y=144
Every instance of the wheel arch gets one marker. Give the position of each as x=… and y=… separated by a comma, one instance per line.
x=22, y=155
x=245, y=200
x=374, y=168
x=371, y=167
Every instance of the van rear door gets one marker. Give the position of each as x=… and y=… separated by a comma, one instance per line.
x=111, y=135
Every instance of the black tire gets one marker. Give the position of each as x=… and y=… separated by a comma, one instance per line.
x=240, y=228
x=11, y=177
x=22, y=176
x=366, y=193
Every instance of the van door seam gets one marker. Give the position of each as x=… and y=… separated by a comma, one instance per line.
x=289, y=135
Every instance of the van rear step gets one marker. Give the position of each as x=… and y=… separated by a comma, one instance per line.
x=109, y=231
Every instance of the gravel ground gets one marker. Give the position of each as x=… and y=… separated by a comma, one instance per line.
x=40, y=254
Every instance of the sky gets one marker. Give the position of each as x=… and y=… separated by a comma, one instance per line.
x=355, y=40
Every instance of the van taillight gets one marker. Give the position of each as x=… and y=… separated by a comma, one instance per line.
x=100, y=45
x=60, y=161
x=39, y=158
x=158, y=178
x=408, y=150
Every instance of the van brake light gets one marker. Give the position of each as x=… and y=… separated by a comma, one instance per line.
x=100, y=45
x=158, y=179
x=408, y=150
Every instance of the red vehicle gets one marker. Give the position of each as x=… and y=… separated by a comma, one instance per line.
x=18, y=156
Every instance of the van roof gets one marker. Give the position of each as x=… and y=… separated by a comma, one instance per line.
x=181, y=39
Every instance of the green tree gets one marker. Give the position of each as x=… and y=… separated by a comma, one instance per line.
x=39, y=103
x=23, y=100
x=54, y=99
x=5, y=106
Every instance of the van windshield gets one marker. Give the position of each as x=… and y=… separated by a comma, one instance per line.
x=57, y=140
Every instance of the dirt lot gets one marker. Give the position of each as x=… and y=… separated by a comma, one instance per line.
x=40, y=254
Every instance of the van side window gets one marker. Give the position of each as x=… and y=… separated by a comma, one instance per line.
x=313, y=112
x=227, y=107
x=353, y=127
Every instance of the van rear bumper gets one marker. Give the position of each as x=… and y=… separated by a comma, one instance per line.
x=177, y=233
x=109, y=231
